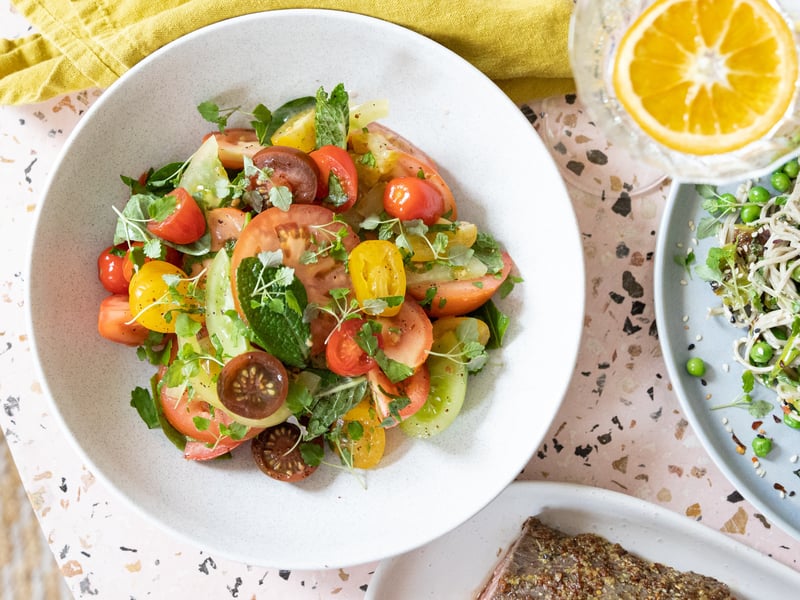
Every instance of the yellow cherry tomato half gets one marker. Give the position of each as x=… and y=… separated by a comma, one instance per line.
x=158, y=292
x=376, y=270
x=362, y=435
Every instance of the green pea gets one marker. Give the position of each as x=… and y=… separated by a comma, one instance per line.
x=789, y=420
x=749, y=213
x=792, y=168
x=795, y=274
x=758, y=194
x=780, y=181
x=696, y=367
x=728, y=199
x=781, y=200
x=761, y=445
x=760, y=353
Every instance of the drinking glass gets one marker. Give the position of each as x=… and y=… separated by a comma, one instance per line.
x=596, y=29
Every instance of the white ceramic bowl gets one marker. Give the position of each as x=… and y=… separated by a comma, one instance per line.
x=503, y=179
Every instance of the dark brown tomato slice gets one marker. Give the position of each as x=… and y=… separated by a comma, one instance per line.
x=290, y=167
x=276, y=451
x=302, y=228
x=253, y=384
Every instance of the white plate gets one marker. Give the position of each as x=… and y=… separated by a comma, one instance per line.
x=458, y=564
x=504, y=180
x=685, y=330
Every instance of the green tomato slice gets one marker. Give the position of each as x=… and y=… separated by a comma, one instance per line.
x=446, y=396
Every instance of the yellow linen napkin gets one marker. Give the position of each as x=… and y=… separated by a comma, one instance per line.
x=520, y=44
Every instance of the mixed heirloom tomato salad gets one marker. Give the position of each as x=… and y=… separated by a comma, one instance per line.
x=304, y=284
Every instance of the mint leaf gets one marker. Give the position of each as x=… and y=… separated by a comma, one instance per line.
x=274, y=309
x=332, y=117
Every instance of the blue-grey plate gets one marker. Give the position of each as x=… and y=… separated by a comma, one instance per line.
x=686, y=330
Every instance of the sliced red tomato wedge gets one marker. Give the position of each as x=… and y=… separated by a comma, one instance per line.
x=234, y=144
x=197, y=421
x=333, y=160
x=185, y=224
x=115, y=322
x=302, y=228
x=407, y=336
x=411, y=392
x=343, y=353
x=461, y=296
x=225, y=224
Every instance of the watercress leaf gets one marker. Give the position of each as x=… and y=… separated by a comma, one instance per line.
x=487, y=250
x=280, y=196
x=312, y=453
x=371, y=222
x=336, y=194
x=748, y=381
x=706, y=191
x=142, y=400
x=759, y=408
x=211, y=113
x=132, y=221
x=707, y=227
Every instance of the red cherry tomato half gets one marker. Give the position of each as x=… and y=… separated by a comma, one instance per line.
x=234, y=144
x=333, y=160
x=408, y=198
x=115, y=322
x=344, y=354
x=185, y=224
x=111, y=269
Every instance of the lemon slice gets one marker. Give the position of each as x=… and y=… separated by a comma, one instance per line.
x=707, y=76
x=298, y=132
